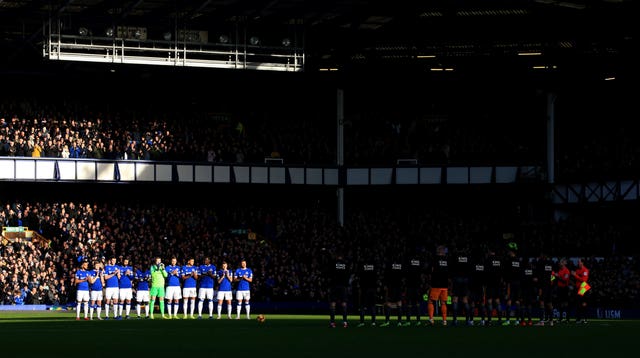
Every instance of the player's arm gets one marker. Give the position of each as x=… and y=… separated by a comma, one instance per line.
x=185, y=275
x=225, y=274
x=91, y=279
x=80, y=280
x=248, y=277
x=160, y=268
x=108, y=276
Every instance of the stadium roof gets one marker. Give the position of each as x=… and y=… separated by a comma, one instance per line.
x=581, y=37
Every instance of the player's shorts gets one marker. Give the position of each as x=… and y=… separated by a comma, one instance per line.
x=529, y=295
x=126, y=294
x=514, y=291
x=368, y=297
x=441, y=294
x=414, y=294
x=493, y=292
x=460, y=286
x=96, y=295
x=173, y=293
x=547, y=294
x=156, y=292
x=477, y=294
x=142, y=296
x=82, y=296
x=189, y=292
x=205, y=294
x=338, y=294
x=111, y=293
x=225, y=295
x=243, y=295
x=394, y=294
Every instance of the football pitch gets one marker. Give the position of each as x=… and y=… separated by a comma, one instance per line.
x=58, y=334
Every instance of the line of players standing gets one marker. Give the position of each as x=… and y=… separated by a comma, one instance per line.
x=472, y=286
x=114, y=284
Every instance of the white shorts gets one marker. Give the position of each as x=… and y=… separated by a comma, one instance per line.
x=82, y=296
x=126, y=294
x=189, y=292
x=224, y=295
x=173, y=293
x=111, y=293
x=96, y=295
x=142, y=296
x=243, y=295
x=205, y=294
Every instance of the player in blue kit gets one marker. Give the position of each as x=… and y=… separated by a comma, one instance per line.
x=207, y=277
x=173, y=295
x=126, y=289
x=189, y=274
x=225, y=277
x=244, y=277
x=82, y=286
x=111, y=277
x=96, y=281
x=142, y=291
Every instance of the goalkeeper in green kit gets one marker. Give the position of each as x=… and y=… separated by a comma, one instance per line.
x=158, y=274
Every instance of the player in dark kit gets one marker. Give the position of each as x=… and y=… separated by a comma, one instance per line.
x=460, y=287
x=368, y=291
x=494, y=288
x=478, y=286
x=339, y=283
x=414, y=289
x=529, y=293
x=394, y=277
x=513, y=285
x=543, y=280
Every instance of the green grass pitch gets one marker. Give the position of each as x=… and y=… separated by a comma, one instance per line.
x=58, y=334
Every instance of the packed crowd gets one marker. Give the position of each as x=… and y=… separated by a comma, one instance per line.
x=372, y=137
x=80, y=131
x=444, y=133
x=287, y=249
